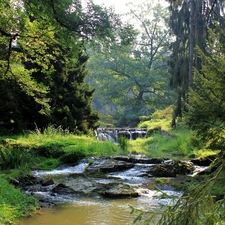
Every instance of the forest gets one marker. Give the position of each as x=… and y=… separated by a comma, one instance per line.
x=72, y=66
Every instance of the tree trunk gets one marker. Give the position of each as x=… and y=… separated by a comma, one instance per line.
x=191, y=45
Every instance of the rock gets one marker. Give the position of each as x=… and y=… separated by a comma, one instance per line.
x=107, y=165
x=117, y=190
x=182, y=167
x=171, y=169
x=83, y=185
x=62, y=189
x=162, y=170
x=48, y=182
x=139, y=159
x=203, y=161
x=13, y=181
x=40, y=196
x=24, y=180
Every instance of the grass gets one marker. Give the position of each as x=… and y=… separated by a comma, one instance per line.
x=50, y=148
x=164, y=141
x=13, y=203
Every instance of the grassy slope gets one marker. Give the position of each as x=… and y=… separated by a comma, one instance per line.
x=13, y=203
x=164, y=141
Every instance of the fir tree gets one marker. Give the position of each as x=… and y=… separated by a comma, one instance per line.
x=206, y=113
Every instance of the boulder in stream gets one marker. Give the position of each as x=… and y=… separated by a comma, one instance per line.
x=140, y=159
x=118, y=190
x=107, y=165
x=171, y=169
x=62, y=189
x=48, y=182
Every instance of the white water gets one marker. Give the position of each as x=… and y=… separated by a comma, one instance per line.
x=77, y=169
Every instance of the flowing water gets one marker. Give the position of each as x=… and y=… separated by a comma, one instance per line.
x=82, y=210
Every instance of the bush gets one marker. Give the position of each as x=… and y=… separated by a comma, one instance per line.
x=49, y=164
x=13, y=157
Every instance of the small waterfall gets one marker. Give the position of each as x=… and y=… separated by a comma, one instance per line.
x=112, y=134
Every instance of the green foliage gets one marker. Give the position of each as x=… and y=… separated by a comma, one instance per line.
x=13, y=157
x=159, y=120
x=13, y=203
x=197, y=206
x=51, y=146
x=123, y=143
x=163, y=140
x=206, y=113
x=49, y=163
x=132, y=79
x=42, y=63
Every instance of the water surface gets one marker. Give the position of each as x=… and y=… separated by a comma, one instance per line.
x=88, y=211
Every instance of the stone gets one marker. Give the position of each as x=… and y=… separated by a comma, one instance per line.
x=171, y=169
x=62, y=189
x=118, y=190
x=107, y=165
x=48, y=182
x=139, y=159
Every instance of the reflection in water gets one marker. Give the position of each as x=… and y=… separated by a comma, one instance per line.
x=86, y=212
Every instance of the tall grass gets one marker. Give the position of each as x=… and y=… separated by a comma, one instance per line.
x=13, y=157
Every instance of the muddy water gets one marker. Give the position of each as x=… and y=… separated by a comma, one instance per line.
x=89, y=212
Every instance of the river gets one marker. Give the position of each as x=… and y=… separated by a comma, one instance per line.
x=80, y=209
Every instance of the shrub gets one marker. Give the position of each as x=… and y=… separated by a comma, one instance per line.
x=123, y=143
x=13, y=157
x=48, y=164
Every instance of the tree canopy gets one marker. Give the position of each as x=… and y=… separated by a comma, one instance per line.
x=134, y=75
x=189, y=21
x=42, y=64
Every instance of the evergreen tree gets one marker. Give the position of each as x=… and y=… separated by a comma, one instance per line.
x=72, y=98
x=206, y=114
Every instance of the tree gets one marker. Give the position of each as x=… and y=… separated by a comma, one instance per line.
x=134, y=76
x=42, y=41
x=189, y=21
x=206, y=113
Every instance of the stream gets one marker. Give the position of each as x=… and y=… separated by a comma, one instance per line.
x=80, y=200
